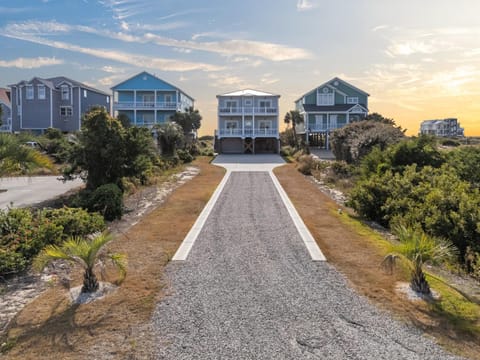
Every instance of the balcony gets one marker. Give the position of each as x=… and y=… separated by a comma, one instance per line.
x=248, y=133
x=145, y=105
x=324, y=127
x=248, y=110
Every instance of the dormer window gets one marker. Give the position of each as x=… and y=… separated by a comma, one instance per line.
x=352, y=100
x=41, y=92
x=29, y=92
x=65, y=92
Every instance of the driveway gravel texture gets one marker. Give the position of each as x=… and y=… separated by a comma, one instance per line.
x=249, y=290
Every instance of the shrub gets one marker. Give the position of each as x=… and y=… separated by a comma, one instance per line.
x=450, y=142
x=307, y=164
x=354, y=141
x=24, y=232
x=287, y=151
x=341, y=169
x=108, y=201
x=184, y=156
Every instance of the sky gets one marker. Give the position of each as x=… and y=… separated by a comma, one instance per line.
x=418, y=59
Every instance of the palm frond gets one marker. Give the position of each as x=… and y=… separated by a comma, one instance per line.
x=120, y=261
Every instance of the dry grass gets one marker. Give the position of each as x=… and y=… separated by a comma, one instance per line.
x=357, y=252
x=116, y=326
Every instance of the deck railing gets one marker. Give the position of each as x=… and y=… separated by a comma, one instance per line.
x=162, y=105
x=248, y=110
x=248, y=132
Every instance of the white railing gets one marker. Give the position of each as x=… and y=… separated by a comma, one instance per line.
x=325, y=127
x=248, y=110
x=145, y=105
x=247, y=132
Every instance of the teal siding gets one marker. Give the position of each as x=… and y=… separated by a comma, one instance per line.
x=311, y=98
x=341, y=120
x=144, y=81
x=339, y=98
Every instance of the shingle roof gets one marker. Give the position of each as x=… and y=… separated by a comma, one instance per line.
x=248, y=92
x=331, y=108
x=56, y=81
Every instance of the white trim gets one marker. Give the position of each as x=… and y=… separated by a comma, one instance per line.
x=310, y=243
x=187, y=244
x=80, y=106
x=51, y=108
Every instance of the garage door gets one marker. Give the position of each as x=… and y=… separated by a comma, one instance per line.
x=232, y=146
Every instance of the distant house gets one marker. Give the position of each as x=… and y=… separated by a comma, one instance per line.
x=442, y=127
x=57, y=102
x=6, y=106
x=330, y=106
x=147, y=100
x=247, y=122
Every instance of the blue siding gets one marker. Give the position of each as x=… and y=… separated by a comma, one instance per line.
x=144, y=81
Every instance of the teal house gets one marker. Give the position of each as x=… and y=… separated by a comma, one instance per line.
x=147, y=100
x=330, y=106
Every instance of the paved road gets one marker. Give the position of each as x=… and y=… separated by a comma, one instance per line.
x=249, y=290
x=24, y=191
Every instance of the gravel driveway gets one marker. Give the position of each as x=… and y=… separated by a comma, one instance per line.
x=249, y=290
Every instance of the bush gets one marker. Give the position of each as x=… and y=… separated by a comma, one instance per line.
x=354, y=141
x=450, y=142
x=287, y=151
x=184, y=156
x=24, y=232
x=108, y=201
x=341, y=169
x=307, y=164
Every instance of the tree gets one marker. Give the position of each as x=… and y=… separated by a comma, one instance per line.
x=417, y=248
x=170, y=137
x=101, y=151
x=18, y=159
x=88, y=253
x=355, y=140
x=190, y=120
x=381, y=119
x=293, y=117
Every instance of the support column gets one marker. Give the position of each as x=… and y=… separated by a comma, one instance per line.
x=253, y=146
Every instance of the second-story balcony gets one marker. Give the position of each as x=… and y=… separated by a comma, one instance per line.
x=145, y=105
x=247, y=132
x=248, y=110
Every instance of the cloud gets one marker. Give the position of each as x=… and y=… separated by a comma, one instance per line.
x=229, y=81
x=30, y=63
x=119, y=56
x=304, y=5
x=12, y=10
x=252, y=48
x=379, y=27
x=113, y=69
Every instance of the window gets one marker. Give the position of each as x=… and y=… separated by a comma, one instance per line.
x=108, y=99
x=265, y=124
x=265, y=103
x=352, y=100
x=325, y=99
x=231, y=104
x=65, y=92
x=168, y=98
x=29, y=94
x=231, y=124
x=41, y=92
x=84, y=93
x=149, y=100
x=248, y=102
x=66, y=111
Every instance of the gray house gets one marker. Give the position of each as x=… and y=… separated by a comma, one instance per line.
x=247, y=122
x=5, y=104
x=57, y=102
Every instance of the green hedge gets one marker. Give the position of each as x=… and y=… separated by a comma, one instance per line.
x=24, y=232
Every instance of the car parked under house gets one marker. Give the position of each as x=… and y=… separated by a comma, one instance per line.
x=328, y=107
x=247, y=122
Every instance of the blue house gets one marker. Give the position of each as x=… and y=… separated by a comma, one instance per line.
x=147, y=100
x=328, y=107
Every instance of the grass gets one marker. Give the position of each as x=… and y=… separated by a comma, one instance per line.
x=357, y=251
x=117, y=325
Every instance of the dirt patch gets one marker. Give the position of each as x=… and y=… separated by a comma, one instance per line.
x=115, y=326
x=358, y=257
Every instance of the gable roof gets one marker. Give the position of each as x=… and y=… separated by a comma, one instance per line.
x=4, y=98
x=248, y=92
x=153, y=76
x=54, y=82
x=333, y=108
x=328, y=83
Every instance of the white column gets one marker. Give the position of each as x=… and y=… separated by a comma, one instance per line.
x=348, y=118
x=51, y=108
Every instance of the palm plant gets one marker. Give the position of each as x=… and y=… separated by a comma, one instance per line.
x=17, y=159
x=417, y=248
x=87, y=252
x=293, y=117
